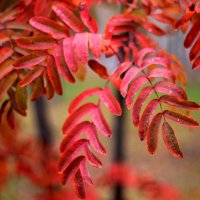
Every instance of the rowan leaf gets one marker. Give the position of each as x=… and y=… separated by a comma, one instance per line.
x=135, y=86
x=31, y=75
x=85, y=173
x=144, y=94
x=72, y=169
x=83, y=127
x=36, y=42
x=146, y=117
x=49, y=88
x=80, y=48
x=79, y=185
x=152, y=133
x=89, y=22
x=192, y=35
x=7, y=83
x=163, y=18
x=68, y=54
x=195, y=49
x=179, y=103
x=153, y=28
x=30, y=60
x=49, y=26
x=61, y=64
x=68, y=17
x=154, y=61
x=6, y=67
x=110, y=101
x=161, y=73
x=142, y=53
x=70, y=153
x=196, y=64
x=5, y=53
x=21, y=96
x=98, y=68
x=38, y=88
x=3, y=109
x=81, y=97
x=128, y=78
x=180, y=118
x=95, y=44
x=53, y=75
x=11, y=118
x=170, y=140
x=170, y=89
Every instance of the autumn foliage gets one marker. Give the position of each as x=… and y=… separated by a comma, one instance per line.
x=44, y=41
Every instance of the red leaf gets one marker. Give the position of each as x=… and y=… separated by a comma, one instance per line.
x=153, y=28
x=196, y=64
x=79, y=185
x=11, y=118
x=98, y=68
x=61, y=64
x=144, y=94
x=49, y=88
x=53, y=75
x=161, y=17
x=7, y=83
x=180, y=118
x=31, y=76
x=192, y=35
x=38, y=88
x=5, y=53
x=128, y=78
x=76, y=115
x=152, y=133
x=195, y=49
x=100, y=122
x=110, y=101
x=95, y=44
x=80, y=48
x=29, y=60
x=154, y=61
x=3, y=109
x=170, y=140
x=81, y=97
x=135, y=86
x=37, y=42
x=161, y=73
x=72, y=169
x=179, y=103
x=94, y=161
x=146, y=117
x=83, y=127
x=3, y=38
x=5, y=68
x=49, y=26
x=142, y=53
x=170, y=89
x=68, y=54
x=89, y=22
x=68, y=17
x=21, y=96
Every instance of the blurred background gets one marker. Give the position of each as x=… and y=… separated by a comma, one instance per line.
x=182, y=175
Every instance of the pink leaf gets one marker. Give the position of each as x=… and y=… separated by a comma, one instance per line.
x=135, y=86
x=79, y=185
x=87, y=19
x=161, y=73
x=154, y=61
x=170, y=89
x=95, y=44
x=83, y=127
x=61, y=64
x=68, y=54
x=170, y=140
x=81, y=97
x=53, y=75
x=180, y=118
x=152, y=133
x=49, y=26
x=142, y=53
x=179, y=103
x=146, y=117
x=68, y=17
x=110, y=101
x=144, y=94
